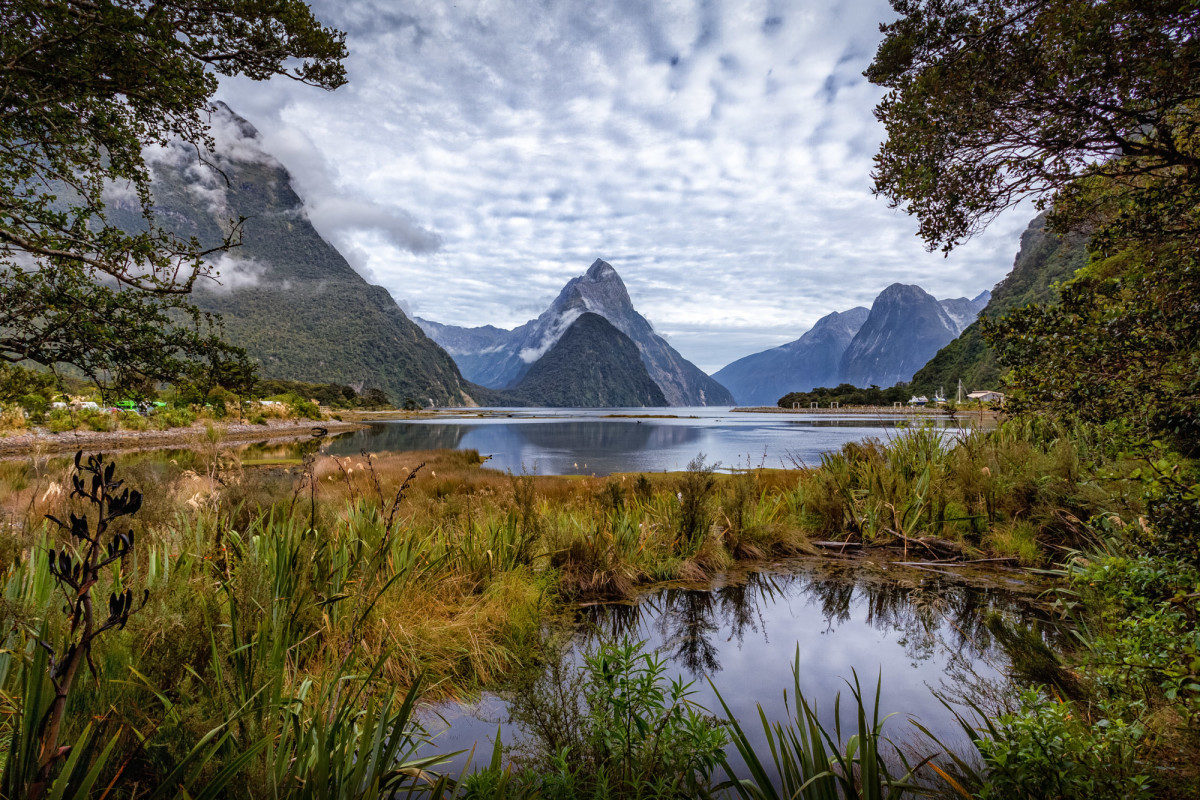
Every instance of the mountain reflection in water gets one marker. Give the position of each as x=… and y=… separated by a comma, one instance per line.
x=602, y=444
x=921, y=632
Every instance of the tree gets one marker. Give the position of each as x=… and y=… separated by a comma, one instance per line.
x=993, y=101
x=1123, y=344
x=85, y=85
x=1093, y=108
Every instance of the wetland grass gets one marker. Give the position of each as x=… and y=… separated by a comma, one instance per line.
x=293, y=608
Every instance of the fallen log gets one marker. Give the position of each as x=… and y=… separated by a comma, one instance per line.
x=1007, y=560
x=940, y=548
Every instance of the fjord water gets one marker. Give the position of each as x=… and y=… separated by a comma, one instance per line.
x=556, y=441
x=919, y=632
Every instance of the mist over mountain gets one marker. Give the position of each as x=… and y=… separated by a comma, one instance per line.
x=285, y=294
x=500, y=359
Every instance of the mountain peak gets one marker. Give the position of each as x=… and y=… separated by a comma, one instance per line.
x=221, y=112
x=903, y=292
x=601, y=270
x=599, y=291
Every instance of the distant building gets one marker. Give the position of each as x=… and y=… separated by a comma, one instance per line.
x=986, y=397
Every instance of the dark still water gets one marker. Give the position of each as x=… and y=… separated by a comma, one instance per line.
x=603, y=441
x=922, y=631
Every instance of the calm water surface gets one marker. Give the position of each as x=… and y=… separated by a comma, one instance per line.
x=921, y=631
x=603, y=441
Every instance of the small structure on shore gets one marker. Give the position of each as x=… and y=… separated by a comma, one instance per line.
x=986, y=397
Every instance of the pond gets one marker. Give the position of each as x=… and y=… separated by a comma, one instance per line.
x=920, y=632
x=604, y=441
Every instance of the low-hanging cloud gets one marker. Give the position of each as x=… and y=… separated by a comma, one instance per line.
x=343, y=214
x=396, y=226
x=229, y=273
x=718, y=154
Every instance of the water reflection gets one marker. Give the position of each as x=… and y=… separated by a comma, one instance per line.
x=922, y=632
x=572, y=444
x=928, y=617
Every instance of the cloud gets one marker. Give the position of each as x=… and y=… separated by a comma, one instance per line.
x=232, y=273
x=236, y=139
x=718, y=154
x=394, y=225
x=120, y=195
x=551, y=336
x=354, y=222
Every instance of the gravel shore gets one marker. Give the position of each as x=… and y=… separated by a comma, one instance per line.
x=41, y=441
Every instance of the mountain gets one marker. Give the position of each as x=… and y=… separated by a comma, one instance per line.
x=880, y=347
x=591, y=365
x=286, y=295
x=905, y=328
x=810, y=361
x=1043, y=260
x=501, y=360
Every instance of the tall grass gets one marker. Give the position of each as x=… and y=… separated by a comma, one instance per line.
x=296, y=604
x=1011, y=491
x=806, y=761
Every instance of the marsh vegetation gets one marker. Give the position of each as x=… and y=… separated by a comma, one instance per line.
x=288, y=614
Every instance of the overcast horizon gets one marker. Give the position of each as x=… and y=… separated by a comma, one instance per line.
x=718, y=155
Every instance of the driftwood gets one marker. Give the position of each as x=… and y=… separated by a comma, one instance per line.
x=920, y=566
x=1006, y=560
x=838, y=545
x=940, y=548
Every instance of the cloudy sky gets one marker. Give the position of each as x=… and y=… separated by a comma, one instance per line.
x=718, y=154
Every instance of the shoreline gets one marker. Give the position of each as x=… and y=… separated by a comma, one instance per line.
x=920, y=411
x=44, y=443
x=962, y=413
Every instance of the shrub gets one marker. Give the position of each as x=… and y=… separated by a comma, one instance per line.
x=619, y=728
x=36, y=406
x=168, y=417
x=97, y=419
x=11, y=418
x=1146, y=643
x=1046, y=750
x=133, y=421
x=695, y=488
x=61, y=419
x=293, y=406
x=305, y=409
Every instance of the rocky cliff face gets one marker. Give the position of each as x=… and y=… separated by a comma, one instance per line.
x=905, y=328
x=501, y=361
x=810, y=361
x=286, y=295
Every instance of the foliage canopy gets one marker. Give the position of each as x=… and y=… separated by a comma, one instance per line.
x=1093, y=108
x=84, y=88
x=993, y=101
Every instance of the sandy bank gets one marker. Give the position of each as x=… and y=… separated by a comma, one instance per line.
x=41, y=441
